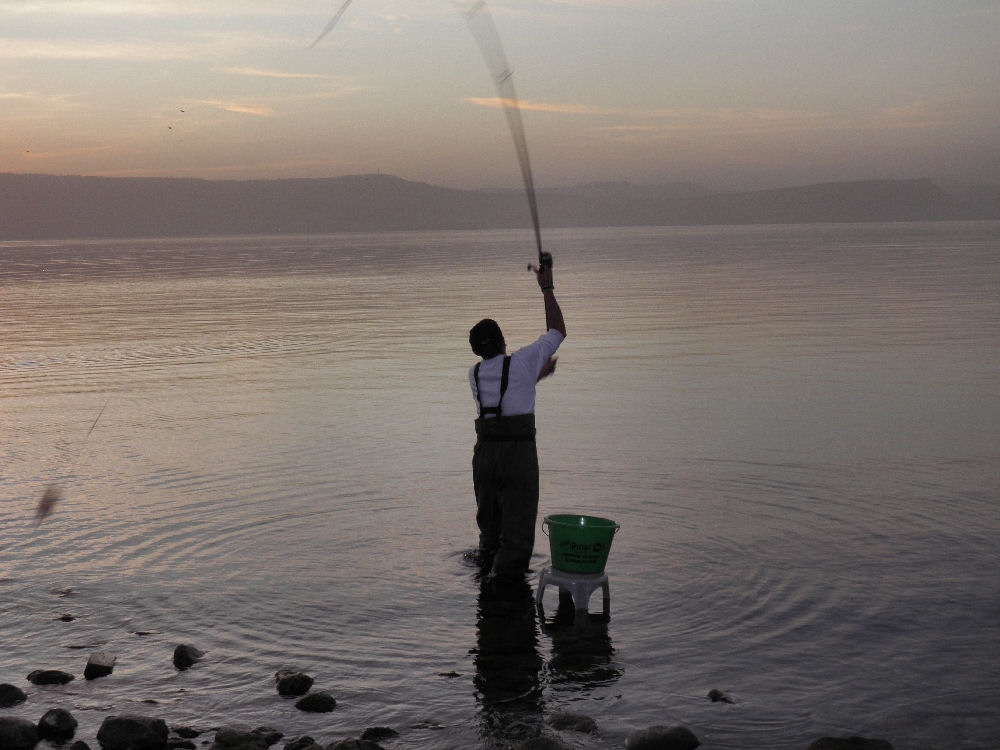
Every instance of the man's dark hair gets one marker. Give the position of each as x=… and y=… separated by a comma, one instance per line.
x=486, y=338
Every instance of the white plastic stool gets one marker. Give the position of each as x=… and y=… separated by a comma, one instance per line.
x=579, y=585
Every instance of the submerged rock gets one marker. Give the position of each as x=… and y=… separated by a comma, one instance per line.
x=290, y=683
x=235, y=738
x=57, y=724
x=11, y=695
x=717, y=696
x=318, y=703
x=130, y=732
x=302, y=743
x=17, y=734
x=270, y=734
x=849, y=743
x=50, y=677
x=374, y=734
x=662, y=738
x=354, y=744
x=572, y=722
x=186, y=655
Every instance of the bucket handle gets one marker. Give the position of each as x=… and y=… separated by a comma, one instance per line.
x=545, y=527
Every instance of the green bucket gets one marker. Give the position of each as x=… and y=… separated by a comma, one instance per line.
x=579, y=544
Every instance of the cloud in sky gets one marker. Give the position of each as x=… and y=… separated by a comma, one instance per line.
x=526, y=105
x=259, y=73
x=730, y=91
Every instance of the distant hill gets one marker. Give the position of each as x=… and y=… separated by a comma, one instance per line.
x=54, y=207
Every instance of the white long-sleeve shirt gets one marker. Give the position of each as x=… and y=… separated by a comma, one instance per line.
x=525, y=365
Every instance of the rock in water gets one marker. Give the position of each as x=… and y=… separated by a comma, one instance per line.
x=317, y=703
x=354, y=744
x=230, y=738
x=57, y=724
x=17, y=734
x=291, y=683
x=132, y=732
x=269, y=734
x=100, y=664
x=11, y=695
x=303, y=743
x=374, y=734
x=49, y=677
x=186, y=655
x=662, y=738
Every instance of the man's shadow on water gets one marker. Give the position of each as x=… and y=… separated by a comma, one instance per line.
x=511, y=673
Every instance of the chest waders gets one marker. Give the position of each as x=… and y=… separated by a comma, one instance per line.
x=505, y=475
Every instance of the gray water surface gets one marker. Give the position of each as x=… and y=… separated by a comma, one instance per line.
x=798, y=429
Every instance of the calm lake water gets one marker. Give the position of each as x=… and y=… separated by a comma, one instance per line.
x=798, y=429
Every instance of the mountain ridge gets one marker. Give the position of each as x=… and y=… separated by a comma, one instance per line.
x=38, y=206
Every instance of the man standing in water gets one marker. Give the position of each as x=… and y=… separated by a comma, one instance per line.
x=505, y=461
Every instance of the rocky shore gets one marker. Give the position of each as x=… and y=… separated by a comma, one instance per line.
x=57, y=726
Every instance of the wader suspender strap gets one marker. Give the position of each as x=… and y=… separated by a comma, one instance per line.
x=494, y=410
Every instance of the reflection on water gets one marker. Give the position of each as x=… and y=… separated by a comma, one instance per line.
x=508, y=666
x=583, y=657
x=513, y=672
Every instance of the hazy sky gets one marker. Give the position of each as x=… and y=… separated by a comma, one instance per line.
x=728, y=93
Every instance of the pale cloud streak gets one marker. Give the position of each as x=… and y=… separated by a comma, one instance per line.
x=90, y=50
x=142, y=8
x=257, y=110
x=530, y=106
x=261, y=73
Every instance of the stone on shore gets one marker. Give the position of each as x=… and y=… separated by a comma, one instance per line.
x=131, y=732
x=49, y=677
x=302, y=743
x=270, y=734
x=11, y=695
x=17, y=733
x=318, y=703
x=100, y=664
x=849, y=743
x=57, y=724
x=291, y=683
x=235, y=738
x=662, y=738
x=352, y=743
x=186, y=655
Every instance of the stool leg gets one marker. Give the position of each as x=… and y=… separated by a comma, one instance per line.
x=542, y=583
